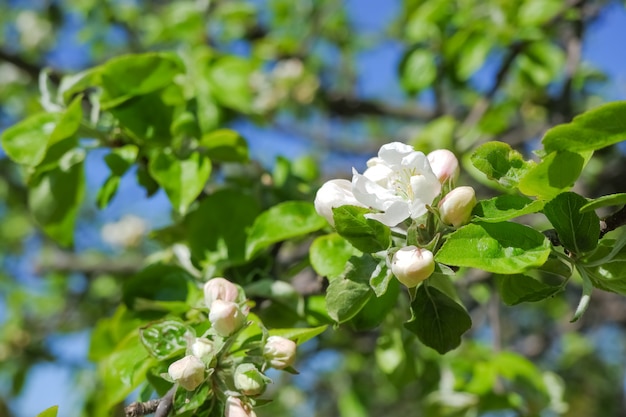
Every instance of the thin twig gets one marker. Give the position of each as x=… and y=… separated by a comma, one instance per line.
x=160, y=406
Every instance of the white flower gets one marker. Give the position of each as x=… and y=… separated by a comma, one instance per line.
x=219, y=289
x=249, y=380
x=226, y=317
x=202, y=348
x=399, y=182
x=334, y=193
x=456, y=207
x=188, y=372
x=412, y=265
x=280, y=351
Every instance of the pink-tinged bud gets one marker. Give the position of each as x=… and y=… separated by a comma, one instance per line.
x=444, y=164
x=226, y=317
x=188, y=372
x=412, y=265
x=280, y=352
x=203, y=349
x=236, y=408
x=334, y=193
x=249, y=380
x=219, y=289
x=456, y=207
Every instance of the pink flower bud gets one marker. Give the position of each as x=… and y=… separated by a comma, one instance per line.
x=444, y=164
x=225, y=317
x=235, y=408
x=456, y=207
x=412, y=265
x=249, y=380
x=188, y=372
x=334, y=193
x=280, y=351
x=219, y=289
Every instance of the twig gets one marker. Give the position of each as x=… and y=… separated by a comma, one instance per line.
x=161, y=407
x=613, y=221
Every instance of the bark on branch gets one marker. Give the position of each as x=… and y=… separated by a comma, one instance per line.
x=161, y=407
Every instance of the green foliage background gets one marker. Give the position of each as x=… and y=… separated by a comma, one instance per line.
x=172, y=93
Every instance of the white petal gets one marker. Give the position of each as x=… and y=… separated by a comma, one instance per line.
x=392, y=153
x=380, y=174
x=371, y=194
x=396, y=213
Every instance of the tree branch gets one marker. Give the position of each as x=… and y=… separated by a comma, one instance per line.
x=350, y=106
x=161, y=407
x=613, y=221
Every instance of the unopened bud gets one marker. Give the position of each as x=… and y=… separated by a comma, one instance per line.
x=412, y=265
x=202, y=348
x=249, y=380
x=280, y=351
x=188, y=372
x=226, y=317
x=219, y=289
x=444, y=164
x=334, y=193
x=236, y=408
x=456, y=207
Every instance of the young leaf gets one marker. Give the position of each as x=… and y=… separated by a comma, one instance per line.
x=381, y=278
x=437, y=320
x=367, y=235
x=499, y=162
x=578, y=232
x=505, y=248
x=605, y=201
x=505, y=207
x=182, y=180
x=299, y=335
x=329, y=255
x=229, y=78
x=417, y=70
x=555, y=173
x=519, y=288
x=377, y=308
x=157, y=282
x=347, y=295
x=26, y=141
x=165, y=339
x=593, y=130
x=281, y=222
x=54, y=198
x=224, y=145
x=49, y=412
x=107, y=191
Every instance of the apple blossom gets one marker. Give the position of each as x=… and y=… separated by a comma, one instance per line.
x=202, y=348
x=236, y=408
x=412, y=265
x=219, y=289
x=444, y=164
x=399, y=183
x=188, y=372
x=456, y=207
x=280, y=351
x=226, y=317
x=332, y=194
x=249, y=380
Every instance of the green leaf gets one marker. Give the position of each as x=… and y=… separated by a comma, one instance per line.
x=418, y=70
x=505, y=207
x=281, y=222
x=107, y=191
x=541, y=62
x=367, y=235
x=346, y=296
x=146, y=118
x=138, y=74
x=381, y=278
x=538, y=12
x=213, y=240
x=472, y=55
x=69, y=122
x=519, y=288
x=299, y=335
x=224, y=145
x=592, y=130
x=377, y=308
x=504, y=248
x=166, y=339
x=555, y=173
x=26, y=141
x=49, y=412
x=182, y=180
x=578, y=232
x=54, y=198
x=499, y=162
x=437, y=320
x=157, y=282
x=230, y=77
x=119, y=160
x=606, y=266
x=604, y=201
x=329, y=255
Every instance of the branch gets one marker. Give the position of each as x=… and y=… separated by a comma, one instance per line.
x=613, y=221
x=28, y=67
x=161, y=406
x=94, y=264
x=350, y=106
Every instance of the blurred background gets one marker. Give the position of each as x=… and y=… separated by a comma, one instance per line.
x=327, y=83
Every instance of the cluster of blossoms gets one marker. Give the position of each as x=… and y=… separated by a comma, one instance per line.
x=228, y=314
x=404, y=187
